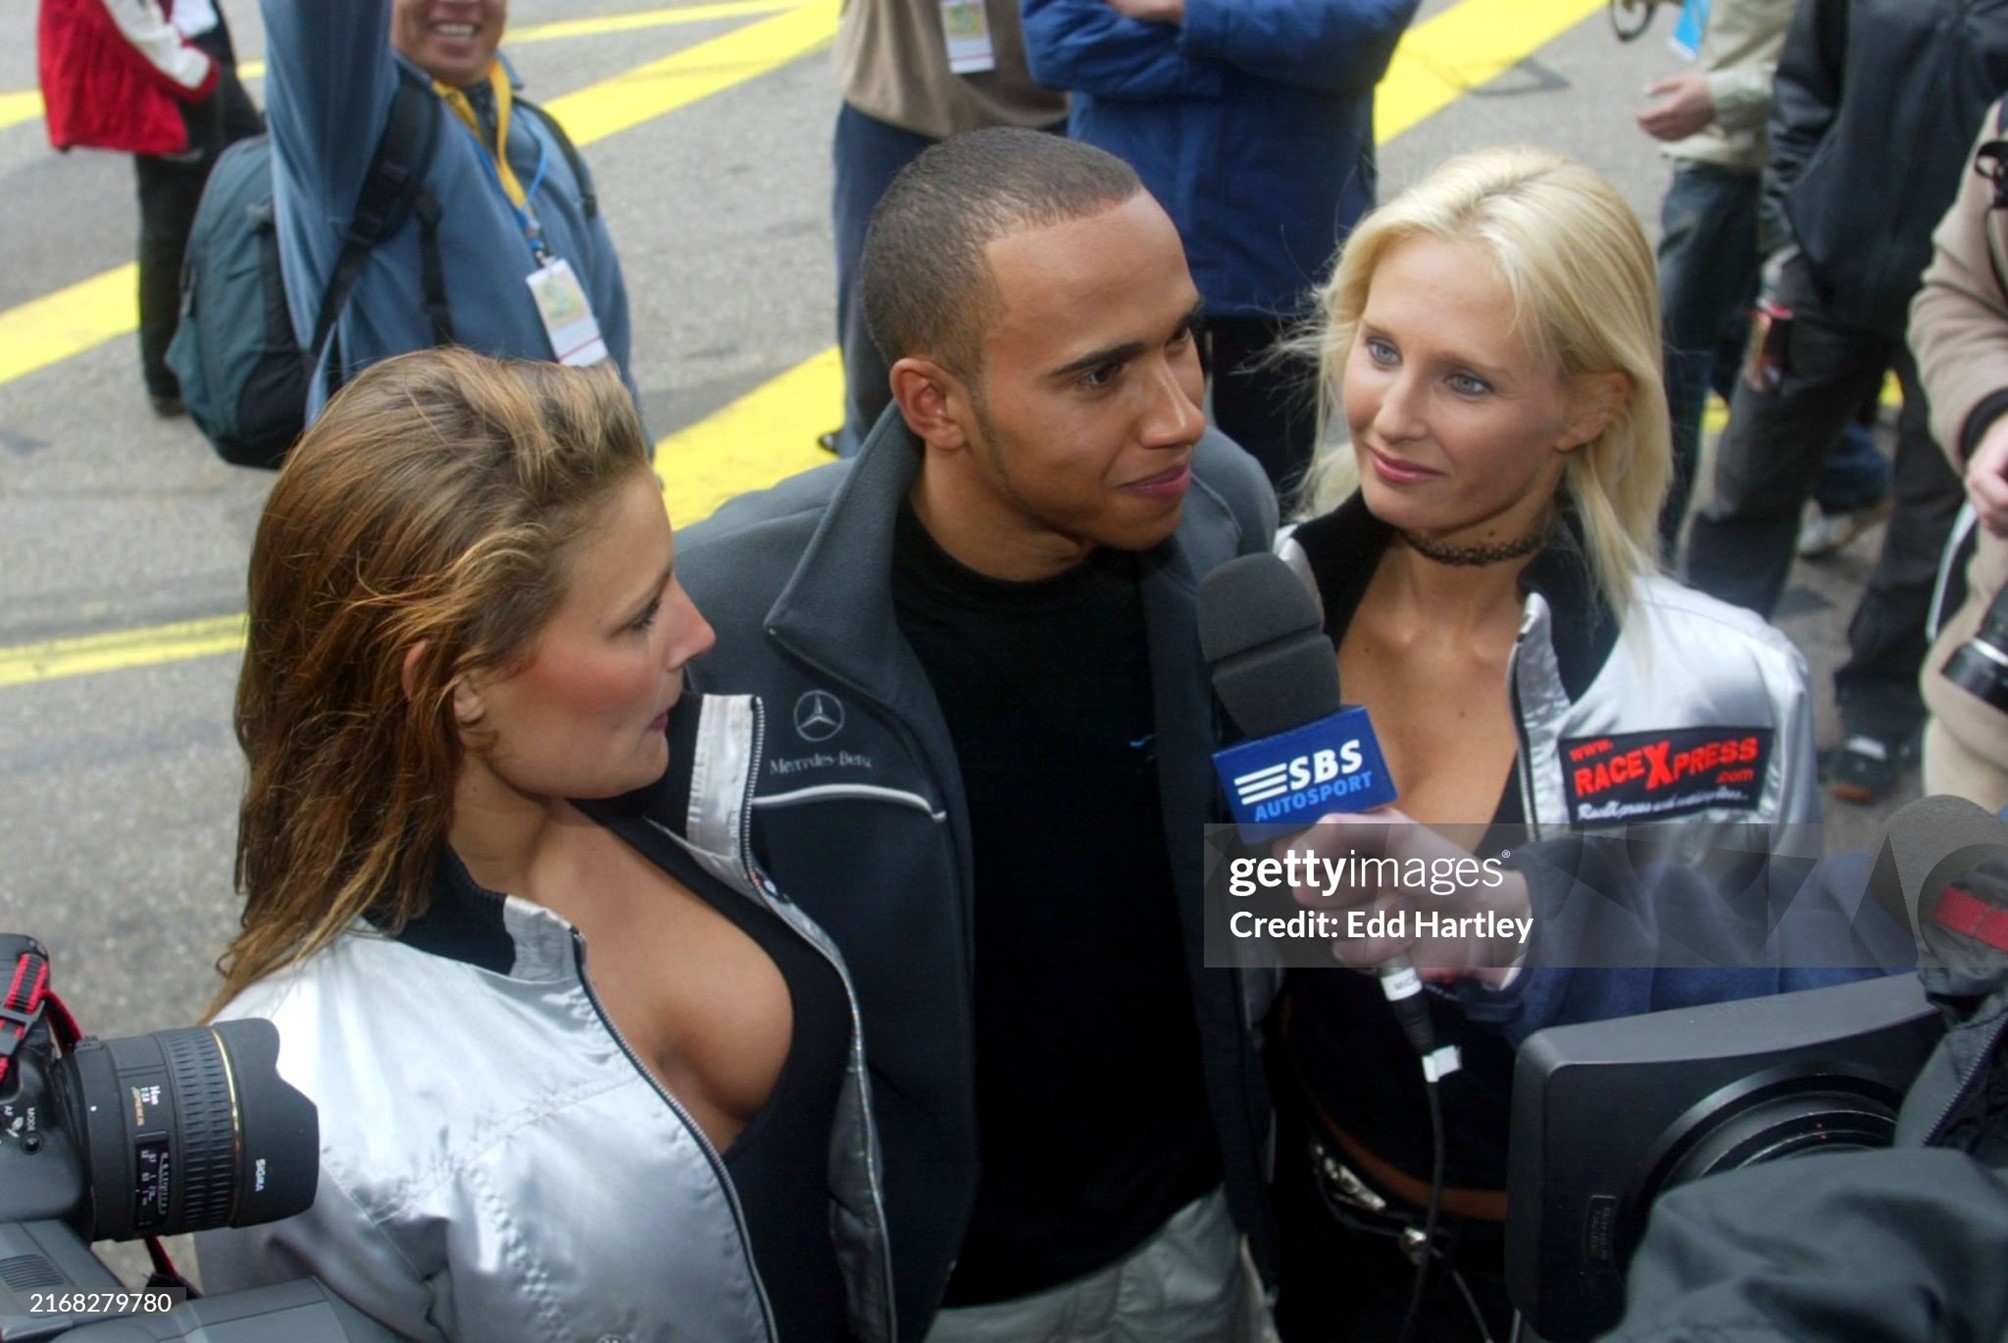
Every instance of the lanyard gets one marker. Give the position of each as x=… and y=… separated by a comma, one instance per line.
x=498, y=163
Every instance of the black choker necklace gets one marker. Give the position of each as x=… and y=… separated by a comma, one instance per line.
x=1475, y=556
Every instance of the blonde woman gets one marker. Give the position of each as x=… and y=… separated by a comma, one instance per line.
x=1488, y=572
x=581, y=1072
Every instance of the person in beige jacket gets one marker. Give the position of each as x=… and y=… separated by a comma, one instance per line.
x=1959, y=334
x=905, y=87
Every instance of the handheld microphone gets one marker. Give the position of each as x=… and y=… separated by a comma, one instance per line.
x=1942, y=871
x=1272, y=666
x=1274, y=669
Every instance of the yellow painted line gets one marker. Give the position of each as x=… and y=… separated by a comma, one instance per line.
x=127, y=648
x=52, y=328
x=765, y=436
x=679, y=79
x=26, y=104
x=770, y=433
x=16, y=108
x=1441, y=60
x=59, y=326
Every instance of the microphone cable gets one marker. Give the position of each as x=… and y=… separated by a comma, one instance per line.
x=1407, y=998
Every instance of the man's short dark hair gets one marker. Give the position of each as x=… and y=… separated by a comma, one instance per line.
x=924, y=279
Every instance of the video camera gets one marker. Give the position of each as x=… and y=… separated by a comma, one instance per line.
x=152, y=1135
x=1609, y=1115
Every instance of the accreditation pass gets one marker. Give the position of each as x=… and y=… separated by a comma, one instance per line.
x=91, y=1305
x=568, y=315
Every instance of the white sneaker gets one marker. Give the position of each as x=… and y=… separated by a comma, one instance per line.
x=1825, y=534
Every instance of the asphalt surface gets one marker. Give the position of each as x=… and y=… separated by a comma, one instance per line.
x=118, y=789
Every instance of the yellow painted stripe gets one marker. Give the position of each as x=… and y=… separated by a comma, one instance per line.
x=1441, y=60
x=752, y=443
x=16, y=108
x=765, y=436
x=59, y=326
x=26, y=104
x=128, y=648
x=682, y=78
x=90, y=312
x=770, y=433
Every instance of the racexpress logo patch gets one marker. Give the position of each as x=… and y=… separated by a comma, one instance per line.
x=1641, y=776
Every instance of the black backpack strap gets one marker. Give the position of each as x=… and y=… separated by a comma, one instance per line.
x=589, y=196
x=431, y=270
x=393, y=189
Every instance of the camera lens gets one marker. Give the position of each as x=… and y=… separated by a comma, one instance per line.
x=185, y=1130
x=1980, y=665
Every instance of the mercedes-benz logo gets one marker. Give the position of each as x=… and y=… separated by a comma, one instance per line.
x=819, y=716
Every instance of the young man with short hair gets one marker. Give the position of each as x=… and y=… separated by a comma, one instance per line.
x=987, y=750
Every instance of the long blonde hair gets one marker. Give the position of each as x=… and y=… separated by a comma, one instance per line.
x=1585, y=295
x=420, y=531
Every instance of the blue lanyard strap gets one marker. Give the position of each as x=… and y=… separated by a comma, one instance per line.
x=526, y=213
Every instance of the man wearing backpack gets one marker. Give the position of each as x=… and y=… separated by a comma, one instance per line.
x=519, y=254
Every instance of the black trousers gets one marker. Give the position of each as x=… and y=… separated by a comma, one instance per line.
x=1340, y=1283
x=170, y=187
x=1741, y=546
x=1266, y=403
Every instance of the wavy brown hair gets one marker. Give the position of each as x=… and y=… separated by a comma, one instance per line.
x=419, y=532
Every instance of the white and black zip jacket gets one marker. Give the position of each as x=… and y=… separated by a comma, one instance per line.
x=1609, y=716
x=1632, y=733
x=495, y=1163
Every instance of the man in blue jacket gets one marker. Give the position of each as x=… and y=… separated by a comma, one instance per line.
x=1252, y=124
x=989, y=731
x=528, y=268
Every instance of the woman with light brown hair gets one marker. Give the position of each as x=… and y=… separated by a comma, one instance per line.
x=580, y=1069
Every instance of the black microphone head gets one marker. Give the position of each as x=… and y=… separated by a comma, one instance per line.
x=1931, y=845
x=1264, y=640
x=1252, y=600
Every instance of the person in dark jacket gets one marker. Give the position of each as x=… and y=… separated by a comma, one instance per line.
x=1253, y=127
x=1875, y=102
x=980, y=639
x=1897, y=1244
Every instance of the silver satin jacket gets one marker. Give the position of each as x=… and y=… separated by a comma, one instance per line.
x=494, y=1163
x=1684, y=669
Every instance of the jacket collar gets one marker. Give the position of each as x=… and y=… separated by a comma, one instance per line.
x=836, y=606
x=699, y=805
x=835, y=603
x=1350, y=539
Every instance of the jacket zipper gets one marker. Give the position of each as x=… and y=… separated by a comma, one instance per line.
x=1965, y=1087
x=1523, y=770
x=757, y=881
x=718, y=1170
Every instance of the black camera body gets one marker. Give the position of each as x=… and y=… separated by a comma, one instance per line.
x=1609, y=1115
x=152, y=1135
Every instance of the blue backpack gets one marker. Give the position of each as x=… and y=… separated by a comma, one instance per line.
x=244, y=377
